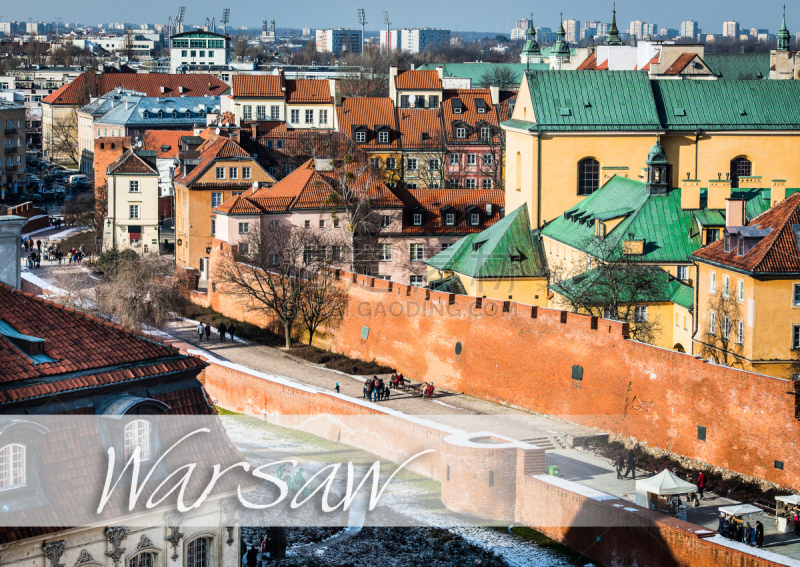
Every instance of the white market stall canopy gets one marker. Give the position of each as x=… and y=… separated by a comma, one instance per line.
x=790, y=499
x=740, y=510
x=664, y=484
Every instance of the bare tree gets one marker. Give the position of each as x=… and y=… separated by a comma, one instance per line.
x=241, y=46
x=273, y=271
x=364, y=84
x=128, y=45
x=139, y=291
x=500, y=76
x=323, y=303
x=610, y=284
x=63, y=140
x=720, y=340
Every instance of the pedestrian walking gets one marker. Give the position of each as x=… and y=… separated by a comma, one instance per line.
x=370, y=388
x=336, y=387
x=797, y=524
x=386, y=394
x=365, y=391
x=620, y=465
x=231, y=331
x=759, y=534
x=38, y=259
x=83, y=251
x=746, y=534
x=222, y=330
x=39, y=246
x=200, y=330
x=631, y=461
x=208, y=332
x=701, y=484
x=376, y=389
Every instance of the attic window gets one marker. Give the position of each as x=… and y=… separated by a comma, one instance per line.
x=680, y=111
x=458, y=106
x=480, y=105
x=145, y=114
x=426, y=136
x=174, y=113
x=481, y=110
x=564, y=111
x=32, y=347
x=417, y=219
x=456, y=110
x=202, y=113
x=160, y=114
x=188, y=114
x=165, y=148
x=477, y=245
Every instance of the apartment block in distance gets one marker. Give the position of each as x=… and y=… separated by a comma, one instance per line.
x=12, y=142
x=339, y=40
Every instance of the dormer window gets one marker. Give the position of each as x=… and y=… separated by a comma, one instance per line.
x=426, y=136
x=475, y=219
x=450, y=219
x=740, y=247
x=458, y=106
x=137, y=434
x=188, y=114
x=13, y=473
x=160, y=114
x=486, y=134
x=383, y=137
x=417, y=219
x=481, y=110
x=457, y=110
x=145, y=114
x=461, y=132
x=727, y=242
x=174, y=113
x=32, y=347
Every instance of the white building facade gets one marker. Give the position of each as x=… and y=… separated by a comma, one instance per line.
x=198, y=49
x=339, y=40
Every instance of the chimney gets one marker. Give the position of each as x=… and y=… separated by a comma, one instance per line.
x=413, y=67
x=332, y=88
x=163, y=89
x=180, y=89
x=392, y=86
x=323, y=164
x=718, y=191
x=690, y=194
x=10, y=231
x=440, y=71
x=753, y=182
x=778, y=192
x=734, y=212
x=488, y=210
x=495, y=92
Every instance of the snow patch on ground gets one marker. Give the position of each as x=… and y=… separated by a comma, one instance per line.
x=45, y=285
x=65, y=233
x=36, y=231
x=444, y=404
x=511, y=548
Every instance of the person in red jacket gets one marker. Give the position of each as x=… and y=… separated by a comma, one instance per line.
x=701, y=484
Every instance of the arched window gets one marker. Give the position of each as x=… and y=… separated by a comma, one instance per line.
x=144, y=559
x=160, y=114
x=174, y=113
x=188, y=114
x=202, y=113
x=588, y=176
x=137, y=434
x=198, y=552
x=518, y=166
x=740, y=167
x=12, y=466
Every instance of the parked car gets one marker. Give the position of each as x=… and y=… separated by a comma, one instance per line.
x=79, y=177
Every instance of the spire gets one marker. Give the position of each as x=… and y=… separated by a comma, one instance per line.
x=613, y=33
x=561, y=48
x=531, y=53
x=783, y=36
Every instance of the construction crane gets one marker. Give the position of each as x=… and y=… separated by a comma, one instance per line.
x=388, y=23
x=362, y=19
x=174, y=25
x=211, y=25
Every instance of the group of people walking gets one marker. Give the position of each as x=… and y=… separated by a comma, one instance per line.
x=205, y=329
x=375, y=389
x=738, y=530
x=52, y=253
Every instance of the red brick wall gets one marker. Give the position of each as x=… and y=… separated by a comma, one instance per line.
x=28, y=210
x=106, y=150
x=525, y=357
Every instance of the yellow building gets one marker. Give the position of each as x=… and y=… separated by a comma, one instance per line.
x=219, y=170
x=504, y=262
x=748, y=292
x=572, y=132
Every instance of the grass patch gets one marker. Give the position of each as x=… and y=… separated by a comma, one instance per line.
x=315, y=355
x=223, y=411
x=541, y=540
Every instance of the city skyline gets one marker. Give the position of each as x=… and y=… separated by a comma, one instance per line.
x=416, y=13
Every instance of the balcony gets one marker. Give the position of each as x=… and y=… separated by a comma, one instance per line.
x=10, y=131
x=11, y=150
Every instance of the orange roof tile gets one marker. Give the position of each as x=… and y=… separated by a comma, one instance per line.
x=130, y=162
x=776, y=253
x=420, y=127
x=369, y=112
x=431, y=201
x=469, y=114
x=306, y=91
x=165, y=143
x=418, y=80
x=148, y=83
x=589, y=63
x=652, y=61
x=239, y=205
x=260, y=86
x=680, y=64
x=221, y=147
x=602, y=66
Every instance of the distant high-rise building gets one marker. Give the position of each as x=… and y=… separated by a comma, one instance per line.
x=669, y=32
x=730, y=29
x=12, y=28
x=636, y=29
x=602, y=29
x=754, y=32
x=545, y=34
x=523, y=23
x=573, y=29
x=415, y=40
x=689, y=28
x=37, y=28
x=519, y=31
x=339, y=40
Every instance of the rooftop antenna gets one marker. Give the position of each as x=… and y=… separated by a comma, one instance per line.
x=362, y=19
x=388, y=23
x=226, y=17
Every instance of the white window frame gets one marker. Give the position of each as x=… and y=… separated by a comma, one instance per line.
x=244, y=228
x=640, y=314
x=684, y=270
x=137, y=434
x=220, y=173
x=461, y=132
x=133, y=186
x=486, y=134
x=740, y=291
x=383, y=137
x=133, y=211
x=247, y=112
x=274, y=112
x=450, y=219
x=412, y=164
x=309, y=115
x=13, y=466
x=216, y=199
x=726, y=327
x=233, y=173
x=435, y=164
x=323, y=116
x=194, y=561
x=740, y=332
x=712, y=283
x=361, y=137
x=475, y=219
x=417, y=252
x=712, y=323
x=261, y=112
x=295, y=116
x=470, y=183
x=417, y=220
x=487, y=183
x=488, y=160
x=455, y=159
x=726, y=285
x=795, y=298
x=472, y=159
x=417, y=281
x=385, y=254
x=246, y=172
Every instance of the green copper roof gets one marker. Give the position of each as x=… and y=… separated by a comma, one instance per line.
x=670, y=233
x=657, y=155
x=521, y=124
x=506, y=249
x=476, y=71
x=728, y=105
x=561, y=47
x=593, y=288
x=621, y=100
x=613, y=33
x=739, y=66
x=450, y=284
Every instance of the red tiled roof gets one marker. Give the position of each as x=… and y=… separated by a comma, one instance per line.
x=76, y=341
x=158, y=139
x=129, y=162
x=221, y=147
x=431, y=201
x=507, y=101
x=418, y=80
x=369, y=112
x=258, y=86
x=148, y=83
x=589, y=64
x=413, y=122
x=238, y=205
x=602, y=66
x=308, y=91
x=680, y=64
x=778, y=252
x=469, y=114
x=652, y=61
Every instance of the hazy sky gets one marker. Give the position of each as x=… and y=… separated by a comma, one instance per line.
x=464, y=15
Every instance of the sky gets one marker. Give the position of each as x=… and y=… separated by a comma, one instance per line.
x=456, y=15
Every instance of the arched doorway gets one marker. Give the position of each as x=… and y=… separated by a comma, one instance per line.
x=740, y=167
x=679, y=347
